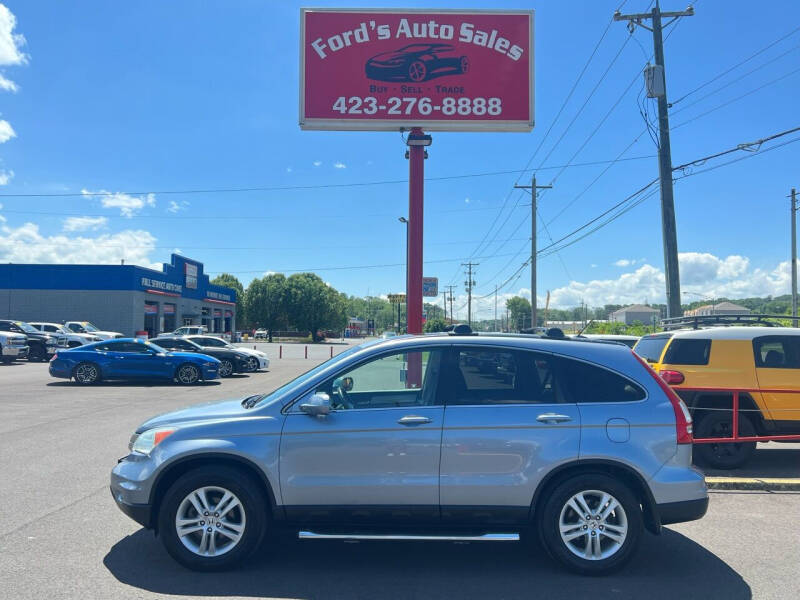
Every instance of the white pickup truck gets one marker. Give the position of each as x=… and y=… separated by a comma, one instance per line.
x=87, y=327
x=13, y=346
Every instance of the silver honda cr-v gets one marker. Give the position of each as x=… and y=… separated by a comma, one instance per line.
x=458, y=437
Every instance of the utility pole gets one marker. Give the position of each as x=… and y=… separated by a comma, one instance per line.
x=495, y=307
x=449, y=296
x=533, y=187
x=668, y=228
x=469, y=284
x=444, y=302
x=794, y=256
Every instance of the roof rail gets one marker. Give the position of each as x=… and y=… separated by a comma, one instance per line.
x=699, y=321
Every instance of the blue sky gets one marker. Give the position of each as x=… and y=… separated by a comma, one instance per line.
x=154, y=96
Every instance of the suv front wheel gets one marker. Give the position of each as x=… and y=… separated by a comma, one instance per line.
x=591, y=523
x=212, y=518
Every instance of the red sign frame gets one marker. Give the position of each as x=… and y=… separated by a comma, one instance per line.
x=438, y=69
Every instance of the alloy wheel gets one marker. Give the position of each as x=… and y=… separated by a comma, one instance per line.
x=210, y=521
x=225, y=368
x=252, y=363
x=86, y=373
x=593, y=525
x=188, y=374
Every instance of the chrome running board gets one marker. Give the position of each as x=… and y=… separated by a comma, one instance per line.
x=486, y=537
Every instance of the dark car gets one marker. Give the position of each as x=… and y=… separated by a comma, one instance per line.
x=128, y=358
x=415, y=63
x=230, y=361
x=41, y=345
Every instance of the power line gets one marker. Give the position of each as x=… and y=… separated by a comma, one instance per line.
x=737, y=65
x=305, y=187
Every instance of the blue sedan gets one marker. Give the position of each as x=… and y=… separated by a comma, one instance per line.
x=128, y=358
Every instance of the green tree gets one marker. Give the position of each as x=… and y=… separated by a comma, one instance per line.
x=228, y=280
x=313, y=305
x=519, y=312
x=434, y=325
x=266, y=302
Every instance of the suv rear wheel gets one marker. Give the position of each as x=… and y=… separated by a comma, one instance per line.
x=723, y=456
x=212, y=518
x=591, y=524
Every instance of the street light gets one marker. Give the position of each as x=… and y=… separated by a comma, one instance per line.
x=404, y=221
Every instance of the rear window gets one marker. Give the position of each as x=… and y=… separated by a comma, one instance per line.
x=650, y=348
x=590, y=383
x=777, y=352
x=688, y=352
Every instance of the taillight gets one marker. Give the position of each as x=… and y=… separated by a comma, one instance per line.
x=672, y=377
x=683, y=420
x=55, y=356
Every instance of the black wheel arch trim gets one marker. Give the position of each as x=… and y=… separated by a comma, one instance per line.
x=650, y=512
x=179, y=466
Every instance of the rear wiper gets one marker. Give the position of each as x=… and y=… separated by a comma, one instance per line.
x=251, y=401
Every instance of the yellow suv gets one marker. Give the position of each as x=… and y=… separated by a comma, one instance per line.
x=752, y=358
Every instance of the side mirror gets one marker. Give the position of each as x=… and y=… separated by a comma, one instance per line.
x=318, y=404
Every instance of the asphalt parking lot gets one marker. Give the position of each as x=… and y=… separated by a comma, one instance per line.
x=61, y=536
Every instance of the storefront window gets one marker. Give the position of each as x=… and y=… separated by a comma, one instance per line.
x=169, y=317
x=151, y=318
x=206, y=321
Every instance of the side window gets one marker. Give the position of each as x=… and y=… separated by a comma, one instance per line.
x=688, y=352
x=50, y=328
x=590, y=383
x=777, y=352
x=128, y=347
x=394, y=380
x=492, y=377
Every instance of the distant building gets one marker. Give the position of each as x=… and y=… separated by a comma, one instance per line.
x=723, y=308
x=637, y=312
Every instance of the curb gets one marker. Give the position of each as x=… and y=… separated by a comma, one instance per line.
x=768, y=484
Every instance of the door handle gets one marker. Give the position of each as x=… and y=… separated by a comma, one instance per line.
x=553, y=418
x=413, y=420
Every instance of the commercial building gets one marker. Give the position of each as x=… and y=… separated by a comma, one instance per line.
x=636, y=312
x=125, y=298
x=723, y=308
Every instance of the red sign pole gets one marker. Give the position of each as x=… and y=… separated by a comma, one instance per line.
x=416, y=185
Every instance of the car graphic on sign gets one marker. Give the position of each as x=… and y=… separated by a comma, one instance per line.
x=415, y=63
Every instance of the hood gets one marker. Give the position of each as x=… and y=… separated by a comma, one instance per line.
x=13, y=334
x=201, y=412
x=251, y=352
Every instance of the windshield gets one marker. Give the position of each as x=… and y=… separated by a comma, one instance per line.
x=650, y=348
x=26, y=327
x=298, y=381
x=89, y=327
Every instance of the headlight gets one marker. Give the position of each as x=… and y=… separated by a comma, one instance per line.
x=145, y=442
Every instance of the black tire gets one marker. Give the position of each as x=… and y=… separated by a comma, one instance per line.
x=253, y=506
x=187, y=374
x=549, y=520
x=37, y=354
x=86, y=373
x=723, y=456
x=252, y=364
x=226, y=368
x=7, y=360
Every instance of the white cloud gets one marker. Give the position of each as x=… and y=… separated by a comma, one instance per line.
x=128, y=205
x=177, y=251
x=6, y=131
x=701, y=273
x=7, y=85
x=594, y=266
x=628, y=262
x=466, y=200
x=177, y=206
x=6, y=176
x=317, y=163
x=288, y=169
x=11, y=44
x=84, y=223
x=268, y=273
x=25, y=244
x=339, y=165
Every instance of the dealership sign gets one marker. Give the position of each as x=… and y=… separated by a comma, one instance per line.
x=365, y=69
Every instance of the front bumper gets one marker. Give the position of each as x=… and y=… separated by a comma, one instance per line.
x=17, y=351
x=141, y=513
x=680, y=512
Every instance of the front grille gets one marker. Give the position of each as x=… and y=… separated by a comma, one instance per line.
x=18, y=342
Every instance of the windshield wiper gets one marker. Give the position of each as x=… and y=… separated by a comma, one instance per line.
x=251, y=401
